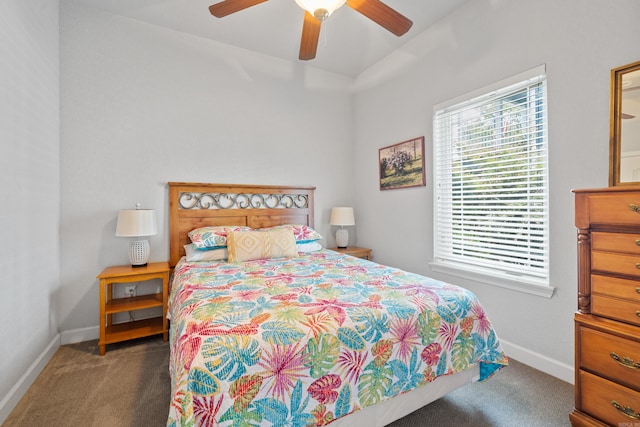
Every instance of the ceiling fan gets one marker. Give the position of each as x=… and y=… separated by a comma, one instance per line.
x=316, y=11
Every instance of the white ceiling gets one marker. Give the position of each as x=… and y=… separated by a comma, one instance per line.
x=349, y=42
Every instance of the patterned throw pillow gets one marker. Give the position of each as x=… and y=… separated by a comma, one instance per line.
x=251, y=245
x=213, y=237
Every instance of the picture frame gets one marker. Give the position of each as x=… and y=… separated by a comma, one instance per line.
x=401, y=165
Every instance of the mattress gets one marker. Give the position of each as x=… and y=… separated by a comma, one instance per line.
x=318, y=339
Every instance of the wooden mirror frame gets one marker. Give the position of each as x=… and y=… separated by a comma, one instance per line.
x=615, y=138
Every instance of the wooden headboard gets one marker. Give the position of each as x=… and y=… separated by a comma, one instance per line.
x=193, y=205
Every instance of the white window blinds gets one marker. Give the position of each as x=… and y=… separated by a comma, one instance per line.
x=491, y=183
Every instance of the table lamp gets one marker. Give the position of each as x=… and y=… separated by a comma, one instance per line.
x=342, y=216
x=137, y=223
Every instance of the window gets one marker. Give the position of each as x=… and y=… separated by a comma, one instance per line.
x=491, y=185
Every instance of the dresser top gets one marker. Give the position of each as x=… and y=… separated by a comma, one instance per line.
x=618, y=189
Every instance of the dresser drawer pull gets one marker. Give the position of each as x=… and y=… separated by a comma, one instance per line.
x=626, y=410
x=638, y=290
x=634, y=207
x=627, y=362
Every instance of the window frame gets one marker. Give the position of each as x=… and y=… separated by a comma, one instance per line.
x=470, y=270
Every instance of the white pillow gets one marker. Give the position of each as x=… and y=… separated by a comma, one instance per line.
x=308, y=247
x=194, y=254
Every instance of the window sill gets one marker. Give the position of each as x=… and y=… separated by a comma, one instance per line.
x=504, y=281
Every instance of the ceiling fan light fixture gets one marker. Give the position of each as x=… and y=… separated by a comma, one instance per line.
x=320, y=9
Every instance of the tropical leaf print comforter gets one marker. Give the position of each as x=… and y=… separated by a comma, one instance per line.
x=303, y=341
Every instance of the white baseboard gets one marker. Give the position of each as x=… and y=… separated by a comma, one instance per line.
x=79, y=335
x=540, y=362
x=20, y=388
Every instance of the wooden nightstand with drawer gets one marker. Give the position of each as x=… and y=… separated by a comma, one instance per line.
x=607, y=324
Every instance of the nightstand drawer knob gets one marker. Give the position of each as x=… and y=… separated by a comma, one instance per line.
x=638, y=290
x=634, y=207
x=626, y=410
x=627, y=362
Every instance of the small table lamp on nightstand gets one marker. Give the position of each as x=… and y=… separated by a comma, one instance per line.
x=342, y=216
x=137, y=223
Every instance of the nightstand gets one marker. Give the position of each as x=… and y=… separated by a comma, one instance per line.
x=110, y=333
x=354, y=251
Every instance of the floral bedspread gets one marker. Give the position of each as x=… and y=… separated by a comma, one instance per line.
x=303, y=341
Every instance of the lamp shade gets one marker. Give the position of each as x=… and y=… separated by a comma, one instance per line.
x=136, y=223
x=342, y=216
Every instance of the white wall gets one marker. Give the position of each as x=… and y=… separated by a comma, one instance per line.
x=142, y=105
x=480, y=43
x=30, y=186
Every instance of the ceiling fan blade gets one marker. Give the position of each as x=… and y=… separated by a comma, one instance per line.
x=383, y=15
x=310, y=36
x=227, y=7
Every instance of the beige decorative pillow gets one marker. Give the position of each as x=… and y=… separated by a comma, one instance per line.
x=250, y=245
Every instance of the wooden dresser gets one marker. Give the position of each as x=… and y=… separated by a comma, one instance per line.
x=607, y=324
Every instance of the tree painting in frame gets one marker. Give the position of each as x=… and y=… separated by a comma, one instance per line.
x=402, y=165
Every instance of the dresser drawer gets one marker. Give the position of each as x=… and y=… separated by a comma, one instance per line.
x=614, y=208
x=615, y=287
x=600, y=397
x=616, y=242
x=611, y=356
x=614, y=308
x=616, y=263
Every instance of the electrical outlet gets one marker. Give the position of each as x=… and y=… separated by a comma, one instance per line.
x=130, y=291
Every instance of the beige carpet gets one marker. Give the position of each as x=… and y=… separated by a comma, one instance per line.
x=129, y=386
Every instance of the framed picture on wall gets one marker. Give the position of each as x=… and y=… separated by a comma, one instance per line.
x=401, y=165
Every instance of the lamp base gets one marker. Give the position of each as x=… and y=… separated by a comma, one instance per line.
x=342, y=238
x=139, y=253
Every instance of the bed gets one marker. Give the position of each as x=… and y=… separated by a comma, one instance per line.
x=312, y=338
